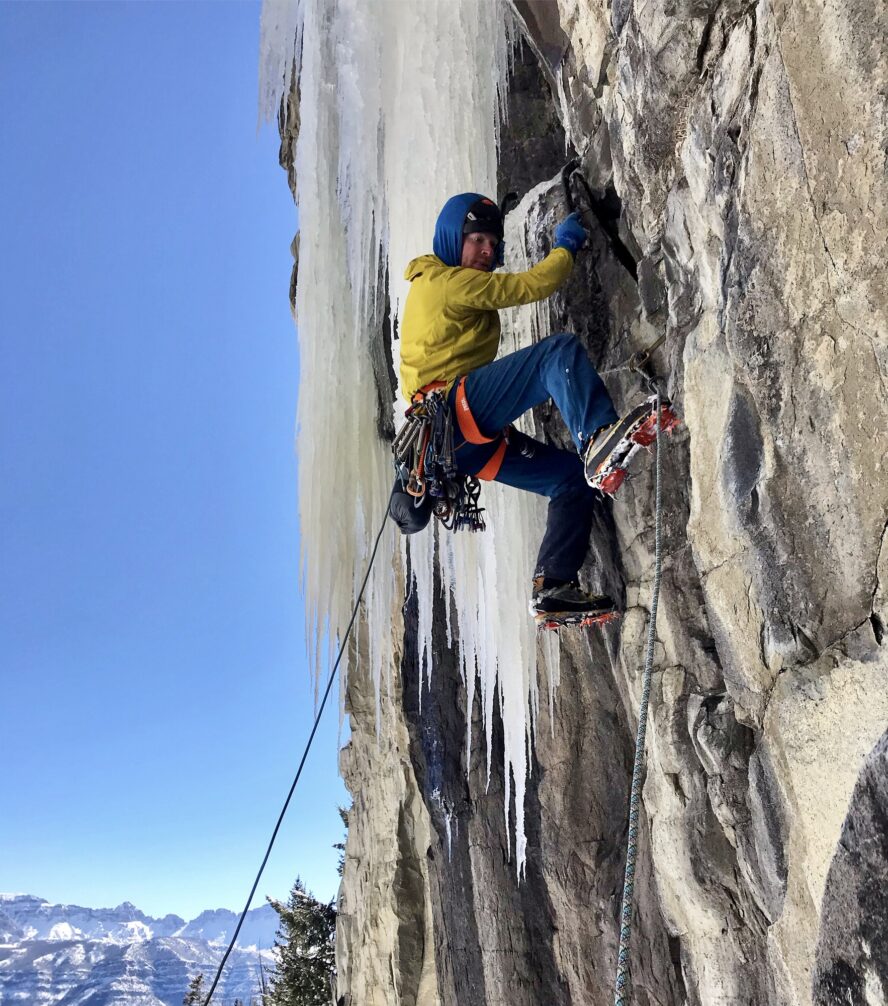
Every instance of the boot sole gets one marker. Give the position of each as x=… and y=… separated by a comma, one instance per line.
x=574, y=619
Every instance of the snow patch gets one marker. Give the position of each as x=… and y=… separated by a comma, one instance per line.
x=137, y=931
x=64, y=931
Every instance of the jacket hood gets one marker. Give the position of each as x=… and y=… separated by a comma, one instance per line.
x=448, y=241
x=416, y=266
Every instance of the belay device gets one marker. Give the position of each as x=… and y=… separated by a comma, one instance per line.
x=423, y=457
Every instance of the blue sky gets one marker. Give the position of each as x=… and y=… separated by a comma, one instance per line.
x=155, y=693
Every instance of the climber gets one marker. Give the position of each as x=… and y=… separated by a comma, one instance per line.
x=450, y=333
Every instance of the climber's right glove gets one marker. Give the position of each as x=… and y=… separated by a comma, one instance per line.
x=570, y=234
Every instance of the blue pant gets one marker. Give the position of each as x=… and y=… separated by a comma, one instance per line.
x=556, y=368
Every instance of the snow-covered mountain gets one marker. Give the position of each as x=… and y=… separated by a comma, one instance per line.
x=110, y=956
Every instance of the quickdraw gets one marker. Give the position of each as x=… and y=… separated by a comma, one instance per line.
x=423, y=457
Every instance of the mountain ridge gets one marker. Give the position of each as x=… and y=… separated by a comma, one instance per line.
x=53, y=953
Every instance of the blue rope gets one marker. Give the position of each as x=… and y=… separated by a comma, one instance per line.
x=622, y=987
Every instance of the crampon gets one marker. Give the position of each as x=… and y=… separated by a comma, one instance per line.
x=611, y=473
x=573, y=619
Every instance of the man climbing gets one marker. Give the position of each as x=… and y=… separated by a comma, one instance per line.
x=449, y=337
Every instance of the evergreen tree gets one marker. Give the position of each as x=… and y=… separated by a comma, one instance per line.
x=340, y=846
x=305, y=963
x=195, y=994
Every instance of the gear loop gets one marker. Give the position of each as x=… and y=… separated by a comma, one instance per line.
x=423, y=456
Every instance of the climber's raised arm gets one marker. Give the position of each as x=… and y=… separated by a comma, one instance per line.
x=471, y=287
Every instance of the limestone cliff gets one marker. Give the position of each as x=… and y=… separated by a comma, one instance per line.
x=740, y=149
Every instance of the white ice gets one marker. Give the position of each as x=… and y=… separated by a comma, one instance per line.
x=400, y=105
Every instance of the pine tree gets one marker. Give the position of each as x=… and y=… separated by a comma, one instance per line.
x=340, y=846
x=305, y=962
x=195, y=994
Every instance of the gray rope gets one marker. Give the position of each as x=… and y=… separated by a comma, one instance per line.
x=622, y=987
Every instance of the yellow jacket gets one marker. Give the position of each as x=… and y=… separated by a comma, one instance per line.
x=450, y=324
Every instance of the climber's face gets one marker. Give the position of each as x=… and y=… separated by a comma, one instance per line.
x=479, y=251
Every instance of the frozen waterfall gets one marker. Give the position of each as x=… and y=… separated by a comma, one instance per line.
x=399, y=107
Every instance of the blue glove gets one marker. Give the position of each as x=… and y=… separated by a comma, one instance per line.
x=570, y=234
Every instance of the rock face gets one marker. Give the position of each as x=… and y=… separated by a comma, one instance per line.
x=851, y=962
x=742, y=150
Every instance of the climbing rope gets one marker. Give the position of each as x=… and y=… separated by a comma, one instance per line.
x=622, y=988
x=311, y=736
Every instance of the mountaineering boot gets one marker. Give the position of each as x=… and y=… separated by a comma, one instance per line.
x=555, y=603
x=610, y=451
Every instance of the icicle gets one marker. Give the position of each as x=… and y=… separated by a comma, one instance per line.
x=400, y=108
x=280, y=53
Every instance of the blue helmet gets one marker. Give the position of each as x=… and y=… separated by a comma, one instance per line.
x=467, y=213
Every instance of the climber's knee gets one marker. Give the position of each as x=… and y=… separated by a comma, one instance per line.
x=563, y=342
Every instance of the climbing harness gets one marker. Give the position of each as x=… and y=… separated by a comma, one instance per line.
x=423, y=458
x=622, y=986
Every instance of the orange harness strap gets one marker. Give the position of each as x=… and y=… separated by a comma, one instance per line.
x=466, y=420
x=469, y=429
x=490, y=471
